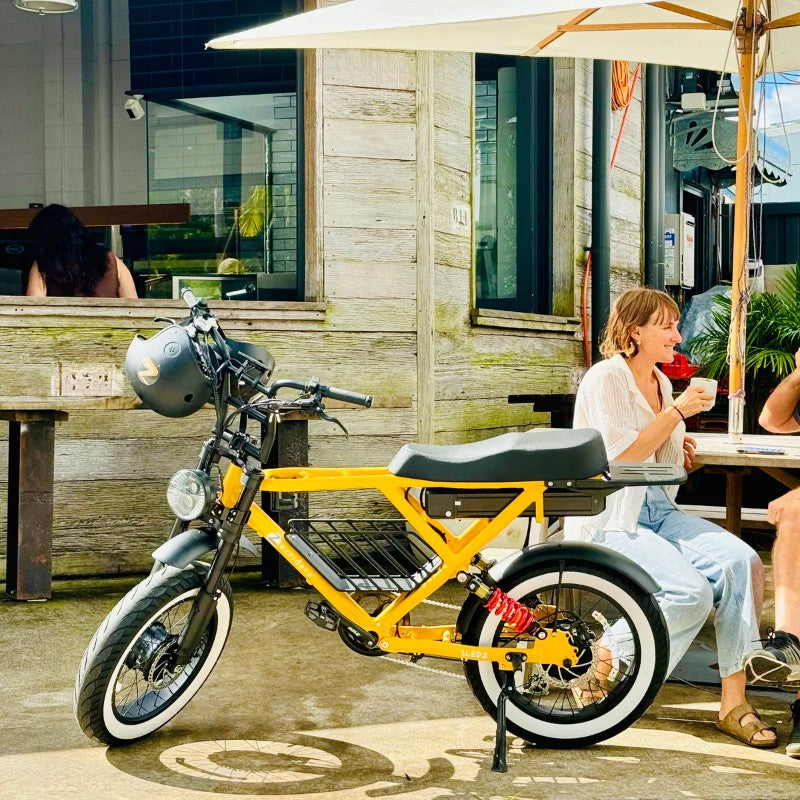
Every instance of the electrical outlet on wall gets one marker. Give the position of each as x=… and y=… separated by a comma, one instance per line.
x=82, y=381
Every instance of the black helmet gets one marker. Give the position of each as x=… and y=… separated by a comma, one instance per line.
x=246, y=353
x=166, y=373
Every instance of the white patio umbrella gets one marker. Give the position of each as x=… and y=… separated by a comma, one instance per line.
x=747, y=36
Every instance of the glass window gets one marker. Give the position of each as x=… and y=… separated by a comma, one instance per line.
x=512, y=192
x=234, y=160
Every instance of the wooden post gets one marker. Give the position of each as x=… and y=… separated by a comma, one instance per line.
x=290, y=450
x=748, y=33
x=31, y=456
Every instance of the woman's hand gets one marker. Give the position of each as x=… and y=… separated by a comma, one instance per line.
x=694, y=400
x=689, y=446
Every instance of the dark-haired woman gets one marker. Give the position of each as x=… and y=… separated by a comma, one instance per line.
x=69, y=263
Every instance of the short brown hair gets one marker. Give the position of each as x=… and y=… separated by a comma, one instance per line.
x=632, y=308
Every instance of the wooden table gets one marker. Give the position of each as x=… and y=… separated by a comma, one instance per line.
x=718, y=451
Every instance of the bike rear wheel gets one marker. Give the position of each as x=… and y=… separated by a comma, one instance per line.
x=125, y=688
x=623, y=652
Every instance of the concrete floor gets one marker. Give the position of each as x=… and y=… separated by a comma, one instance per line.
x=291, y=712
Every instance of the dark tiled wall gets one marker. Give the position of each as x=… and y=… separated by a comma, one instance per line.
x=169, y=59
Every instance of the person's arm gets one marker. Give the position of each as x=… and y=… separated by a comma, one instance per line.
x=36, y=286
x=610, y=412
x=694, y=400
x=127, y=288
x=778, y=414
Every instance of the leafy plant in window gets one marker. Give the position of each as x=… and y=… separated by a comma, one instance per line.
x=773, y=337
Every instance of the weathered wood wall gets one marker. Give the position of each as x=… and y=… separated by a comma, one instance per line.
x=390, y=262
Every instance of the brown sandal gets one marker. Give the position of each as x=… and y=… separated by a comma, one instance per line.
x=732, y=725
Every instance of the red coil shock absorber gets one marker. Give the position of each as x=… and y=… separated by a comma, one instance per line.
x=514, y=613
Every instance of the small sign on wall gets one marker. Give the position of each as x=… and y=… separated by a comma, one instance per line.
x=460, y=219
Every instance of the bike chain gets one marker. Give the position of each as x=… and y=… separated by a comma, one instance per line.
x=457, y=675
x=441, y=605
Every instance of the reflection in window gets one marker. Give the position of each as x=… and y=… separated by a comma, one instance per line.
x=512, y=187
x=234, y=160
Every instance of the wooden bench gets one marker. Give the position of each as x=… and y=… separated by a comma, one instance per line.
x=757, y=517
x=560, y=406
x=31, y=462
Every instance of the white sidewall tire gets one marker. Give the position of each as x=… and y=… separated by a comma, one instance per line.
x=126, y=731
x=592, y=728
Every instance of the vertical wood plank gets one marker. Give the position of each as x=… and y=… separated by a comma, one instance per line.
x=314, y=226
x=426, y=351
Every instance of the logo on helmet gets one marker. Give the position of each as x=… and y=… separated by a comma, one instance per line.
x=148, y=375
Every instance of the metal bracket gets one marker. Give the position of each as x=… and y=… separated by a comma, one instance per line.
x=283, y=501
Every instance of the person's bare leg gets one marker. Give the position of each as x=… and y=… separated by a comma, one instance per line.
x=785, y=572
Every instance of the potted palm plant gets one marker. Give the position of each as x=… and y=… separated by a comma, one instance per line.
x=773, y=338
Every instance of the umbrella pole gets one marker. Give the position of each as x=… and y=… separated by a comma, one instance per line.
x=747, y=34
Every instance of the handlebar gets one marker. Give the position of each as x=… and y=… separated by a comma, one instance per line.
x=201, y=314
x=346, y=396
x=331, y=392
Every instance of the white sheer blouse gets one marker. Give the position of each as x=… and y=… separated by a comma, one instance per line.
x=609, y=400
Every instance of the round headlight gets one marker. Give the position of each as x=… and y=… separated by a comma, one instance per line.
x=189, y=494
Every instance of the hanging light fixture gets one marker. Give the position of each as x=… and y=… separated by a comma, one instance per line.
x=42, y=7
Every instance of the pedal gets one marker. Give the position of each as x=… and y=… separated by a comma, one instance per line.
x=321, y=614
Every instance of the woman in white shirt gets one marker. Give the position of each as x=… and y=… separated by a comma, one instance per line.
x=696, y=564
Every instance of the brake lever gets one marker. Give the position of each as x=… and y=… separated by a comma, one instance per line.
x=322, y=415
x=316, y=406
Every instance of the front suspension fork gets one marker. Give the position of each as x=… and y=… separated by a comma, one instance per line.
x=206, y=599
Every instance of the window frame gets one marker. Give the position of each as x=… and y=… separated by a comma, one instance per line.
x=534, y=178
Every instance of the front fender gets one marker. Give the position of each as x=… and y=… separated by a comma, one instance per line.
x=181, y=550
x=558, y=551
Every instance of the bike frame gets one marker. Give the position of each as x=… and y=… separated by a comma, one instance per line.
x=456, y=551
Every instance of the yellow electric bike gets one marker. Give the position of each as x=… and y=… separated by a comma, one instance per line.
x=562, y=643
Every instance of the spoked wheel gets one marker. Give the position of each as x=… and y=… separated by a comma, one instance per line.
x=126, y=687
x=623, y=650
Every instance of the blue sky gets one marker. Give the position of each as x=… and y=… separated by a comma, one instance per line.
x=783, y=85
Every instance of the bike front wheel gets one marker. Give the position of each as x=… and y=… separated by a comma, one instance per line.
x=622, y=644
x=126, y=688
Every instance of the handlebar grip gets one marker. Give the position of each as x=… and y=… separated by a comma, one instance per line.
x=347, y=397
x=189, y=297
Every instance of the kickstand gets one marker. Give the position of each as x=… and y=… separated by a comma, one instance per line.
x=499, y=757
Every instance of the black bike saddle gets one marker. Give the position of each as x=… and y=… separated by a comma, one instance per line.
x=542, y=454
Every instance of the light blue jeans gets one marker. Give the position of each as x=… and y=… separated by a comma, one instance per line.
x=697, y=566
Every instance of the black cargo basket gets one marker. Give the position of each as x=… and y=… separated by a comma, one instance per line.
x=364, y=554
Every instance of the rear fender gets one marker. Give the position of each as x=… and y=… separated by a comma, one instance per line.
x=523, y=560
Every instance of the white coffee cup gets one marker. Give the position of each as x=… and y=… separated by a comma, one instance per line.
x=709, y=386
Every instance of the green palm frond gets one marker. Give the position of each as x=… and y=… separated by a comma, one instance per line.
x=773, y=337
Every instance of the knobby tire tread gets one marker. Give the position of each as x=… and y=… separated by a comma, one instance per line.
x=113, y=636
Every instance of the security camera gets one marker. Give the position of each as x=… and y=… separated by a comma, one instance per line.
x=133, y=107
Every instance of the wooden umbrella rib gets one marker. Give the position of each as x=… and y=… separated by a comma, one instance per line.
x=718, y=22
x=793, y=20
x=575, y=25
x=559, y=32
x=639, y=26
